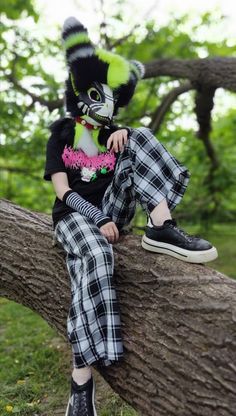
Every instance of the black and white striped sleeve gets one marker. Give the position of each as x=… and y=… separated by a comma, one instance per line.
x=75, y=201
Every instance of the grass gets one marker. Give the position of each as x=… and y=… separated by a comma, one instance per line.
x=35, y=362
x=35, y=368
x=222, y=236
x=33, y=375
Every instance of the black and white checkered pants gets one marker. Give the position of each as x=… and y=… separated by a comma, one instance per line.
x=145, y=173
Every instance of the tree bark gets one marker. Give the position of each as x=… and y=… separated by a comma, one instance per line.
x=217, y=72
x=178, y=319
x=167, y=101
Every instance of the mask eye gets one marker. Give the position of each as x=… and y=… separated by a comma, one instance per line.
x=94, y=94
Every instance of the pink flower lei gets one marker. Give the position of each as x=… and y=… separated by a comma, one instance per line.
x=75, y=159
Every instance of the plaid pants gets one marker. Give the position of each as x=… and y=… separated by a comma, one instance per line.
x=145, y=173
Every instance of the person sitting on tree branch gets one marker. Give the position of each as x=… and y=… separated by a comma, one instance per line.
x=100, y=172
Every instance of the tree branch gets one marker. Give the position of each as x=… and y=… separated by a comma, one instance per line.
x=218, y=72
x=178, y=319
x=103, y=26
x=123, y=39
x=51, y=105
x=166, y=103
x=204, y=105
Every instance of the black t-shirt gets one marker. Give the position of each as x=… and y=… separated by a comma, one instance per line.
x=63, y=135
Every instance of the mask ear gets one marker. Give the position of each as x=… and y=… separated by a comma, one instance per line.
x=80, y=55
x=88, y=64
x=125, y=92
x=76, y=41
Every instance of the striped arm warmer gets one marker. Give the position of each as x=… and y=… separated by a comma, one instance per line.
x=75, y=201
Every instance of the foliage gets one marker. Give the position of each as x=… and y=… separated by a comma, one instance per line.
x=14, y=9
x=199, y=203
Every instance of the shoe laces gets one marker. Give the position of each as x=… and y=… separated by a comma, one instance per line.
x=186, y=235
x=80, y=404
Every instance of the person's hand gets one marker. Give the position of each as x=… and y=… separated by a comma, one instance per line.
x=110, y=231
x=117, y=140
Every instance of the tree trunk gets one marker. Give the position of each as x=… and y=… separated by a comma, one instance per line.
x=178, y=319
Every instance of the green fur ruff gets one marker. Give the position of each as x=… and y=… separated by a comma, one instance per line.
x=78, y=133
x=100, y=147
x=79, y=128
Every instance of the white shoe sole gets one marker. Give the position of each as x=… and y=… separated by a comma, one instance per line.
x=180, y=253
x=67, y=409
x=93, y=402
x=93, y=398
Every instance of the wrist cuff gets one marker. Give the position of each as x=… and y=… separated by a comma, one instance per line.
x=66, y=194
x=103, y=221
x=128, y=129
x=125, y=128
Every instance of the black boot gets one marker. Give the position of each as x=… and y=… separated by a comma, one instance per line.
x=82, y=399
x=169, y=239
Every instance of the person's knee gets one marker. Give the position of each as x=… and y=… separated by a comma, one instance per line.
x=143, y=130
x=142, y=135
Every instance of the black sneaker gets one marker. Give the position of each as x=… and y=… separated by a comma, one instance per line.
x=82, y=399
x=169, y=239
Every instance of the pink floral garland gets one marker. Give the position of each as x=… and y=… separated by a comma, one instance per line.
x=78, y=159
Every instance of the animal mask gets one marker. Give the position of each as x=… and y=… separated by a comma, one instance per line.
x=99, y=81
